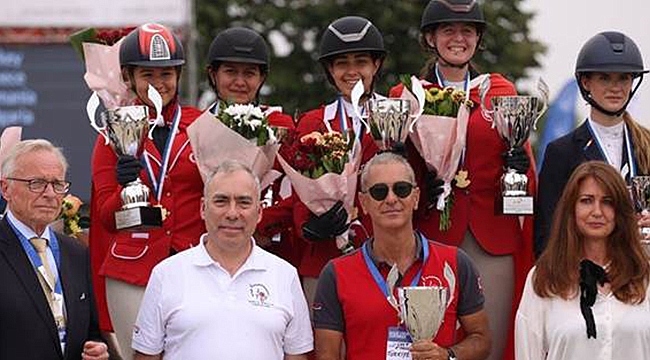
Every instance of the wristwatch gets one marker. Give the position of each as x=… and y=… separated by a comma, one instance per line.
x=451, y=355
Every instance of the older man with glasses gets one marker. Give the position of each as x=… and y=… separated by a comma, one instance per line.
x=46, y=302
x=351, y=303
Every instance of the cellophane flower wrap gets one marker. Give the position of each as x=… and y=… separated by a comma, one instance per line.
x=100, y=51
x=439, y=136
x=322, y=168
x=238, y=132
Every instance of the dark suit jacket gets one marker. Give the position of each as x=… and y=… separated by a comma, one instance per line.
x=27, y=329
x=562, y=156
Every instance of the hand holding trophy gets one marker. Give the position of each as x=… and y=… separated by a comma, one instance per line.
x=513, y=117
x=123, y=127
x=421, y=308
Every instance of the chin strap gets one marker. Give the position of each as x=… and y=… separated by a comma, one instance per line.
x=618, y=112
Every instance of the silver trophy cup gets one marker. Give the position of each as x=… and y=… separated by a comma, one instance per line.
x=388, y=120
x=422, y=309
x=514, y=117
x=125, y=128
x=640, y=188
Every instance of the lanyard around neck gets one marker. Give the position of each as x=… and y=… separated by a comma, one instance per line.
x=376, y=275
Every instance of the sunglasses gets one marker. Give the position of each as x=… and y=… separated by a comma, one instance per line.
x=401, y=189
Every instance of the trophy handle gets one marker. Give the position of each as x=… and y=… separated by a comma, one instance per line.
x=483, y=89
x=156, y=99
x=357, y=92
x=418, y=91
x=91, y=110
x=543, y=91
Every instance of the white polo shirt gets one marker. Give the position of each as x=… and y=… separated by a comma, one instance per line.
x=193, y=309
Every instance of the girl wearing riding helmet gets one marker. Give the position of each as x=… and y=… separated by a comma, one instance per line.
x=499, y=245
x=238, y=65
x=149, y=55
x=609, y=70
x=351, y=49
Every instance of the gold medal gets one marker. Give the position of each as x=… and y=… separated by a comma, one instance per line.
x=462, y=181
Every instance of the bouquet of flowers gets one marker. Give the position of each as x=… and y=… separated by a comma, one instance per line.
x=238, y=132
x=91, y=35
x=70, y=215
x=100, y=51
x=323, y=169
x=248, y=121
x=439, y=137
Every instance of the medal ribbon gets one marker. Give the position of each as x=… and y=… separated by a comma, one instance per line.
x=343, y=119
x=159, y=182
x=376, y=275
x=38, y=264
x=628, y=148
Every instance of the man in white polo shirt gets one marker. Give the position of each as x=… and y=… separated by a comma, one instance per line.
x=226, y=298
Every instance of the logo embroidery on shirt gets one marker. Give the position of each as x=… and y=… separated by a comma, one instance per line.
x=258, y=295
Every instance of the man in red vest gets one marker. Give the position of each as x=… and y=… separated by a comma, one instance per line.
x=351, y=303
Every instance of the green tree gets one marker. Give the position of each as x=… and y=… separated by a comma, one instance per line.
x=297, y=81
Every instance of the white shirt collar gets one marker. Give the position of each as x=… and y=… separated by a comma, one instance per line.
x=611, y=132
x=255, y=260
x=25, y=230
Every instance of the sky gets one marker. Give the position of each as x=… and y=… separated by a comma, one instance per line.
x=565, y=25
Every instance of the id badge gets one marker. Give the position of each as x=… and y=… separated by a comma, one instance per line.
x=398, y=344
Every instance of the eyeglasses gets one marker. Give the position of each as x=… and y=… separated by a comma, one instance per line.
x=379, y=192
x=39, y=185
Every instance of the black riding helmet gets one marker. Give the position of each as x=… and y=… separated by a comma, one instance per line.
x=609, y=51
x=151, y=45
x=440, y=12
x=350, y=34
x=241, y=45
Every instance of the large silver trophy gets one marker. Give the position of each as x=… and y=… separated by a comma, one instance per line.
x=388, y=120
x=421, y=308
x=640, y=188
x=125, y=129
x=514, y=117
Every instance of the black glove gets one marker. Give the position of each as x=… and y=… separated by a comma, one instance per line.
x=127, y=169
x=328, y=225
x=434, y=186
x=517, y=159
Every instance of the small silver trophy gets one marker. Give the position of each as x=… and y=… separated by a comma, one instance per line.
x=125, y=129
x=421, y=308
x=514, y=117
x=640, y=188
x=388, y=120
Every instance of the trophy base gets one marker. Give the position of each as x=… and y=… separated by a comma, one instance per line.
x=517, y=205
x=138, y=218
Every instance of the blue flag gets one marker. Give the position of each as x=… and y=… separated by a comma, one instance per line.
x=560, y=120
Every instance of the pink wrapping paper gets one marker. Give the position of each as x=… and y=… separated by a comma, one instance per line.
x=213, y=142
x=320, y=194
x=440, y=140
x=103, y=74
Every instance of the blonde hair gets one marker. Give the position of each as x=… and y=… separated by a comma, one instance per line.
x=641, y=142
